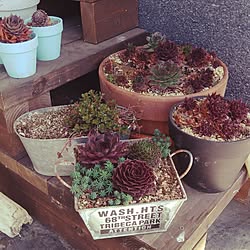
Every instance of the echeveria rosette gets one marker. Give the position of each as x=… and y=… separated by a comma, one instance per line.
x=134, y=177
x=100, y=148
x=13, y=30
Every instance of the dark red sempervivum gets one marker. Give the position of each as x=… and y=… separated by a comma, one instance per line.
x=238, y=110
x=134, y=177
x=198, y=57
x=100, y=148
x=167, y=50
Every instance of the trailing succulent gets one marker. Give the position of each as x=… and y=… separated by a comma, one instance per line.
x=13, y=30
x=214, y=117
x=113, y=172
x=163, y=67
x=92, y=112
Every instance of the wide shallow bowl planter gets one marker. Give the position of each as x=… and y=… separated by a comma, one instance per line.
x=140, y=218
x=23, y=8
x=216, y=163
x=19, y=59
x=152, y=111
x=44, y=152
x=49, y=39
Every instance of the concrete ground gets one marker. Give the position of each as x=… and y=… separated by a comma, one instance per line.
x=231, y=231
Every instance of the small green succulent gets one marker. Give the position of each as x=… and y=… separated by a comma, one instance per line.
x=164, y=75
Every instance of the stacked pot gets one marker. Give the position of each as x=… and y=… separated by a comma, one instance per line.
x=20, y=57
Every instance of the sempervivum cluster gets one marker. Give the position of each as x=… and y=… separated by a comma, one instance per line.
x=100, y=148
x=13, y=30
x=40, y=18
x=134, y=177
x=145, y=150
x=214, y=116
x=167, y=50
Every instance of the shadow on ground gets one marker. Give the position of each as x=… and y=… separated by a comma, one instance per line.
x=34, y=236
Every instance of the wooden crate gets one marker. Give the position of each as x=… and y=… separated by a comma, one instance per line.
x=103, y=19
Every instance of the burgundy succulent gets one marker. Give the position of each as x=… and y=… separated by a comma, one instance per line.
x=40, y=18
x=100, y=148
x=217, y=106
x=207, y=78
x=166, y=51
x=13, y=30
x=198, y=57
x=134, y=177
x=214, y=116
x=189, y=104
x=191, y=69
x=238, y=110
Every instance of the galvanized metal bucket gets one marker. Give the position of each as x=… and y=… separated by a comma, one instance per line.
x=117, y=221
x=43, y=153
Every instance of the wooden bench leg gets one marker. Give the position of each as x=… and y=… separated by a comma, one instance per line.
x=202, y=243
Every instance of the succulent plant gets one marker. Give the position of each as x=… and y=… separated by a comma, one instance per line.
x=163, y=142
x=164, y=75
x=164, y=68
x=167, y=50
x=91, y=112
x=153, y=41
x=100, y=148
x=204, y=79
x=214, y=117
x=134, y=177
x=13, y=30
x=198, y=57
x=40, y=18
x=145, y=150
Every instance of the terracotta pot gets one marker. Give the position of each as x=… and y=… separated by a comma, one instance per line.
x=153, y=111
x=216, y=164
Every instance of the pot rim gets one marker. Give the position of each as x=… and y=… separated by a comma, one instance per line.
x=39, y=111
x=139, y=95
x=173, y=108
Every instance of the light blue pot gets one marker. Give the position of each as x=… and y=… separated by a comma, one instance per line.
x=19, y=59
x=49, y=39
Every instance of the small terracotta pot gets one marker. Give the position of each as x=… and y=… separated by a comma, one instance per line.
x=216, y=164
x=152, y=111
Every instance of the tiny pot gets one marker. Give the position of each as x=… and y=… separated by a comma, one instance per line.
x=216, y=163
x=19, y=59
x=49, y=39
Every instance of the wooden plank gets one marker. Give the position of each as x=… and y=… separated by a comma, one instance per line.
x=77, y=59
x=243, y=195
x=10, y=143
x=10, y=115
x=201, y=244
x=41, y=101
x=194, y=218
x=104, y=19
x=23, y=168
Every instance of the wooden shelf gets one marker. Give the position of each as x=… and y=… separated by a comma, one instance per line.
x=52, y=203
x=78, y=58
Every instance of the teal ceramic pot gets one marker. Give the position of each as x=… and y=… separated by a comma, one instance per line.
x=216, y=164
x=19, y=59
x=49, y=39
